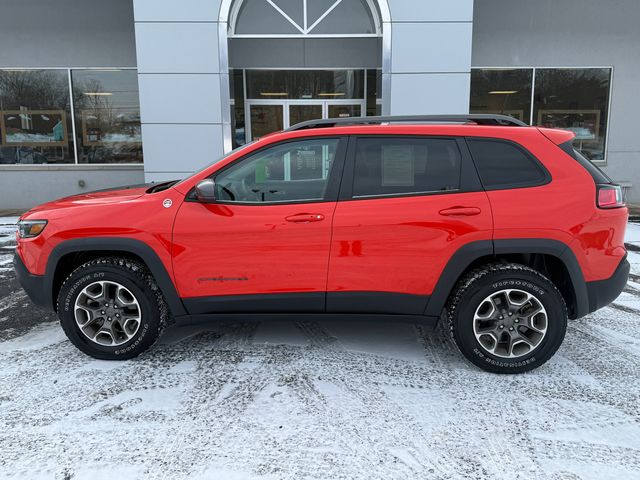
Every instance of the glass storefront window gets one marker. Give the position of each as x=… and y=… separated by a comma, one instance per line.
x=305, y=84
x=374, y=92
x=107, y=116
x=294, y=17
x=502, y=91
x=575, y=99
x=237, y=107
x=35, y=118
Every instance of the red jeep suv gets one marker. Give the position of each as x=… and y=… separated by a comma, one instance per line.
x=502, y=229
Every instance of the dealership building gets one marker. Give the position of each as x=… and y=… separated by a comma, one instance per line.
x=95, y=94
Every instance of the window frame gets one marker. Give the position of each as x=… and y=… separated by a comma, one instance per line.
x=546, y=174
x=305, y=30
x=75, y=164
x=602, y=163
x=469, y=179
x=333, y=180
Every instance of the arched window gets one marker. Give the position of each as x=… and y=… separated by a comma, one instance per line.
x=304, y=18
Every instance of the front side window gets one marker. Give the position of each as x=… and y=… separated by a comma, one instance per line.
x=392, y=166
x=502, y=164
x=289, y=172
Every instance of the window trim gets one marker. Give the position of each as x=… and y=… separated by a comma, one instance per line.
x=305, y=29
x=333, y=181
x=600, y=163
x=547, y=178
x=75, y=163
x=469, y=181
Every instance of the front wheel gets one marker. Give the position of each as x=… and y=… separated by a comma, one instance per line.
x=507, y=318
x=111, y=308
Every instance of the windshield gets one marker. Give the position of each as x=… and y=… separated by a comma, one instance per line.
x=239, y=149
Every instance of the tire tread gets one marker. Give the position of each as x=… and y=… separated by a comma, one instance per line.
x=131, y=267
x=469, y=281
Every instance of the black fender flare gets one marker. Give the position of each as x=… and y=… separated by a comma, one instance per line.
x=472, y=251
x=116, y=244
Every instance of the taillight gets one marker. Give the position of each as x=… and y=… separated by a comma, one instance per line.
x=610, y=196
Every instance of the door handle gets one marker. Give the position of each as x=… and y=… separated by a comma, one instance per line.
x=305, y=218
x=460, y=211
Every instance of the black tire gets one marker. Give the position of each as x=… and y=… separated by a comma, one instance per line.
x=133, y=275
x=474, y=287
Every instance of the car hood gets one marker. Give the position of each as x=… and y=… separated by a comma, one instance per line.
x=111, y=195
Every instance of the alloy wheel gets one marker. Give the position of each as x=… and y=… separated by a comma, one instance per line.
x=510, y=323
x=107, y=313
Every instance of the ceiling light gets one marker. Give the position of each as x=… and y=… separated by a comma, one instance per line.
x=274, y=94
x=335, y=94
x=98, y=94
x=502, y=92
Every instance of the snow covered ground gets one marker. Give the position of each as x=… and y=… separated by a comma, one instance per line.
x=316, y=400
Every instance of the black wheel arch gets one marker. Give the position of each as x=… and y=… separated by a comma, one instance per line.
x=552, y=257
x=97, y=246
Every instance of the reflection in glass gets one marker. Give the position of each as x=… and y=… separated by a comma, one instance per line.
x=576, y=99
x=107, y=115
x=344, y=111
x=35, y=118
x=302, y=113
x=265, y=119
x=295, y=17
x=502, y=91
x=289, y=172
x=303, y=84
x=374, y=92
x=237, y=107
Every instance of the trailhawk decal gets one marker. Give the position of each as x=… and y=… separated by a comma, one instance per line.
x=223, y=279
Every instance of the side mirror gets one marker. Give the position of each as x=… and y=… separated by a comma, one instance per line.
x=206, y=191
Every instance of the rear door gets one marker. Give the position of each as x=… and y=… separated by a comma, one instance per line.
x=407, y=203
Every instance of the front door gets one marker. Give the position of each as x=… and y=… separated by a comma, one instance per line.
x=264, y=245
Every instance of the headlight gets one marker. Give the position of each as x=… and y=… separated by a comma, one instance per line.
x=31, y=228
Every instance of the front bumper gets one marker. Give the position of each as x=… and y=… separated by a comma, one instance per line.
x=603, y=292
x=34, y=285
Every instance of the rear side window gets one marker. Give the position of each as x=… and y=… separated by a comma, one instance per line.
x=405, y=165
x=598, y=175
x=503, y=164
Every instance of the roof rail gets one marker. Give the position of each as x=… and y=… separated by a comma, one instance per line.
x=477, y=118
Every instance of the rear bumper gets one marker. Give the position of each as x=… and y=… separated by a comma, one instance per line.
x=602, y=292
x=34, y=285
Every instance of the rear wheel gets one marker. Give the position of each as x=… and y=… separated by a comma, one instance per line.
x=507, y=318
x=111, y=308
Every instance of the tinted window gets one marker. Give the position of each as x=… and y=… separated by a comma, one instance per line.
x=288, y=172
x=387, y=166
x=502, y=164
x=597, y=174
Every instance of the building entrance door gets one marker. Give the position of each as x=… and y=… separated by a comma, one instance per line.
x=266, y=116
